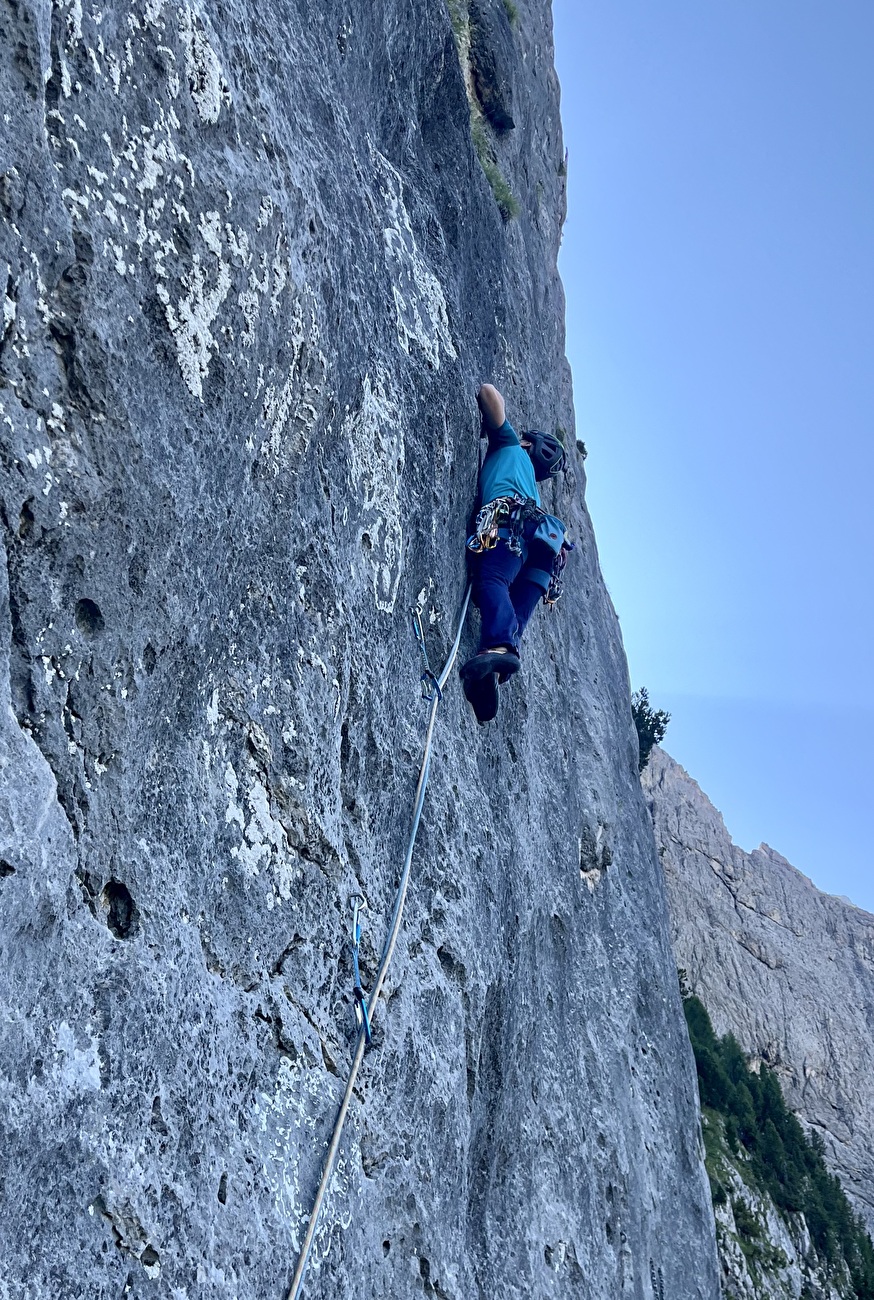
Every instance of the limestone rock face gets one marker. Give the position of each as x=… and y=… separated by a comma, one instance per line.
x=493, y=61
x=787, y=969
x=252, y=275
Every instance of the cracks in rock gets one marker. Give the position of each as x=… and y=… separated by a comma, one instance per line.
x=748, y=946
x=22, y=690
x=431, y=1285
x=89, y=887
x=595, y=857
x=70, y=295
x=738, y=902
x=303, y=1011
x=330, y=1064
x=763, y=915
x=277, y=968
x=10, y=311
x=21, y=686
x=71, y=806
x=288, y=1048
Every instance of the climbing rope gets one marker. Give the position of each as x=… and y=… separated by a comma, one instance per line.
x=362, y=1010
x=367, y=1005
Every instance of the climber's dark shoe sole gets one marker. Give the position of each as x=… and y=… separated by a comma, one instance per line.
x=505, y=663
x=482, y=693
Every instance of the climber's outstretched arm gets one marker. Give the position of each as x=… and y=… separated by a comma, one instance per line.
x=495, y=426
x=491, y=403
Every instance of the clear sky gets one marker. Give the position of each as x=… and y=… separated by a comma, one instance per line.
x=718, y=261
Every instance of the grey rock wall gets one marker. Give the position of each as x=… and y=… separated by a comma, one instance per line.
x=787, y=969
x=253, y=273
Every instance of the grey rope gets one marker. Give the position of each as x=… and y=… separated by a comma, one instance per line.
x=388, y=950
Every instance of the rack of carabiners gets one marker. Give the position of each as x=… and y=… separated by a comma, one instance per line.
x=506, y=517
x=556, y=583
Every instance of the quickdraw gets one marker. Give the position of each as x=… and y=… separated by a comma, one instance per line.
x=556, y=583
x=362, y=1014
x=430, y=684
x=372, y=1001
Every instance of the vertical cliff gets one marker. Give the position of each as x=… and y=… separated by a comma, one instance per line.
x=788, y=970
x=255, y=260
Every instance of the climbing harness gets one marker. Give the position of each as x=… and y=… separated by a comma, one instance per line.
x=428, y=680
x=505, y=519
x=362, y=1014
x=387, y=952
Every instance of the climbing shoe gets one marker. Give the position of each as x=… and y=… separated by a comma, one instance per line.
x=482, y=693
x=505, y=662
x=479, y=677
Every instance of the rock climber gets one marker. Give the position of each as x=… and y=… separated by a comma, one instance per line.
x=513, y=550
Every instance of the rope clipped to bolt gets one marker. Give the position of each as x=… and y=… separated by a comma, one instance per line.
x=430, y=683
x=366, y=1006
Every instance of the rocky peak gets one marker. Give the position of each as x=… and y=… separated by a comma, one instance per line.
x=787, y=969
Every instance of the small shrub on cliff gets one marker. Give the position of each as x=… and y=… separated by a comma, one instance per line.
x=745, y=1221
x=459, y=17
x=651, y=724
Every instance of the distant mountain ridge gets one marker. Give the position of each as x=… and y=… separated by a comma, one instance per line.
x=785, y=968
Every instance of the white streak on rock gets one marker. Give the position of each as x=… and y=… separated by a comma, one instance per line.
x=210, y=231
x=191, y=319
x=374, y=436
x=77, y=1070
x=206, y=81
x=420, y=306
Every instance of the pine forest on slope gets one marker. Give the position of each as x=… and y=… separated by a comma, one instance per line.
x=745, y=1110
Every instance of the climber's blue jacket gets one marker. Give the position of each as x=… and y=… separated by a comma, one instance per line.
x=507, y=469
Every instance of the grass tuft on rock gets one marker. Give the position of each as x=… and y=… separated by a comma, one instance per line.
x=459, y=20
x=508, y=205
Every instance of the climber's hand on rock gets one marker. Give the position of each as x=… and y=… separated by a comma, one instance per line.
x=491, y=403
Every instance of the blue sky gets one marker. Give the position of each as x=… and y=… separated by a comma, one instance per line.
x=718, y=260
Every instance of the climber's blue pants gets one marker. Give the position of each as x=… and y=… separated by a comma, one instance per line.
x=505, y=595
